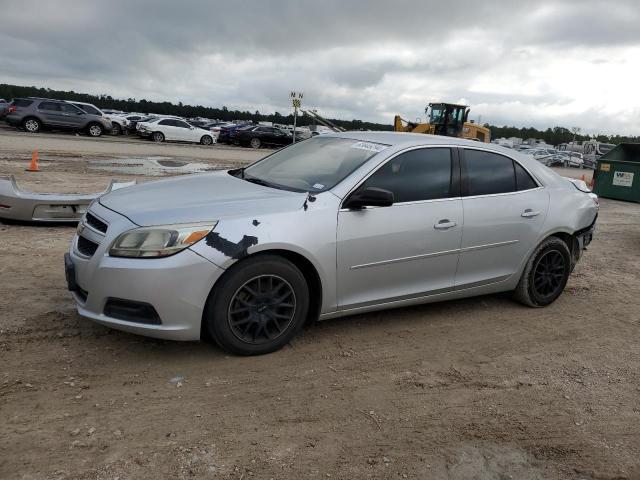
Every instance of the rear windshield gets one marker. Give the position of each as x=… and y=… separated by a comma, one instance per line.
x=22, y=102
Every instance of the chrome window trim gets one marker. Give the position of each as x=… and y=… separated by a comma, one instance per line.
x=471, y=197
x=384, y=162
x=414, y=202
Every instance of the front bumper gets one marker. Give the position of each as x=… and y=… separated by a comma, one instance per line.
x=19, y=205
x=176, y=287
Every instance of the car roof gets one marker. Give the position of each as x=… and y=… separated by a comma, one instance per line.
x=399, y=141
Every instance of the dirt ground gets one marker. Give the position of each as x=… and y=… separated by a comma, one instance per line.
x=481, y=388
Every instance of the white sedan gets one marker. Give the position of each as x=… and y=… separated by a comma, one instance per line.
x=171, y=129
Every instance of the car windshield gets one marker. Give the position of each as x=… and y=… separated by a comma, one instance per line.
x=313, y=165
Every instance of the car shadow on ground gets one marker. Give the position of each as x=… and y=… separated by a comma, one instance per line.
x=353, y=328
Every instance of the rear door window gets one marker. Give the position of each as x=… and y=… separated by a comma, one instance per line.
x=49, y=106
x=89, y=109
x=488, y=173
x=523, y=179
x=66, y=108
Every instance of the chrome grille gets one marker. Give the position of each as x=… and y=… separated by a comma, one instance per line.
x=90, y=234
x=95, y=223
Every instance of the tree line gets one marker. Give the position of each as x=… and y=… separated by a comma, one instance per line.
x=167, y=108
x=552, y=136
x=556, y=135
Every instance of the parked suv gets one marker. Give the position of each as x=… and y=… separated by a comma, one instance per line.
x=34, y=114
x=118, y=122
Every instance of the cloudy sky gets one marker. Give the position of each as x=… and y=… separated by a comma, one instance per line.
x=525, y=63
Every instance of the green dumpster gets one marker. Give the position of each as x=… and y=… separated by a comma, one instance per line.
x=617, y=173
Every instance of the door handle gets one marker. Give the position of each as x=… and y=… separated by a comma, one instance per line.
x=444, y=224
x=528, y=213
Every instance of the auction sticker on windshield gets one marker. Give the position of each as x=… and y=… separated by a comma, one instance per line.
x=372, y=147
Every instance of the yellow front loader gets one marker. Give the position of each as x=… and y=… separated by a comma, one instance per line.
x=445, y=119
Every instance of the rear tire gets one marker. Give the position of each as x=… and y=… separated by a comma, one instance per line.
x=157, y=137
x=32, y=125
x=255, y=143
x=206, y=140
x=94, y=130
x=545, y=274
x=258, y=306
x=116, y=129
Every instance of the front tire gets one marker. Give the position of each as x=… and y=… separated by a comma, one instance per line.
x=545, y=274
x=32, y=125
x=258, y=306
x=157, y=137
x=255, y=143
x=94, y=130
x=206, y=140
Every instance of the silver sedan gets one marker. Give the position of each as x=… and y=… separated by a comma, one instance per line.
x=335, y=225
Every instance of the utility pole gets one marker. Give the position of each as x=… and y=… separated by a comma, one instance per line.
x=296, y=101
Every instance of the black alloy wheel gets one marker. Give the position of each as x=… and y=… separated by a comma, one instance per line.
x=548, y=273
x=262, y=309
x=257, y=306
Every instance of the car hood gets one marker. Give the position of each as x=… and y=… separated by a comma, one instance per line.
x=198, y=198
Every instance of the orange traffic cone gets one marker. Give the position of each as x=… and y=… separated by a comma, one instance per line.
x=33, y=166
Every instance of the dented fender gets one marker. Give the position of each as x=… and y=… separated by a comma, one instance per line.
x=239, y=237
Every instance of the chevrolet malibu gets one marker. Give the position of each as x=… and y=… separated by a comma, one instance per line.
x=335, y=225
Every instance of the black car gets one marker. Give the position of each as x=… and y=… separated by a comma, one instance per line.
x=262, y=136
x=135, y=119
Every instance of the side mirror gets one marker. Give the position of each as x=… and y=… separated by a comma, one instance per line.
x=369, y=197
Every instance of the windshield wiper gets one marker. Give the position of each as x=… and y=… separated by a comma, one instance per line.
x=259, y=181
x=237, y=172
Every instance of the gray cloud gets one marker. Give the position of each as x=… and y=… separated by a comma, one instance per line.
x=356, y=59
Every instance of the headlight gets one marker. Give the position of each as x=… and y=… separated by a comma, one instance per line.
x=159, y=241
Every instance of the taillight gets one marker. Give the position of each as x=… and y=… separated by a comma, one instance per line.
x=12, y=108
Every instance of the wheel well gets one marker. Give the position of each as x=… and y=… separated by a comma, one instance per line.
x=570, y=241
x=566, y=238
x=31, y=117
x=306, y=268
x=310, y=275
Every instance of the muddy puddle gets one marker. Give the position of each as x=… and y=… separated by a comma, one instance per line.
x=152, y=166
